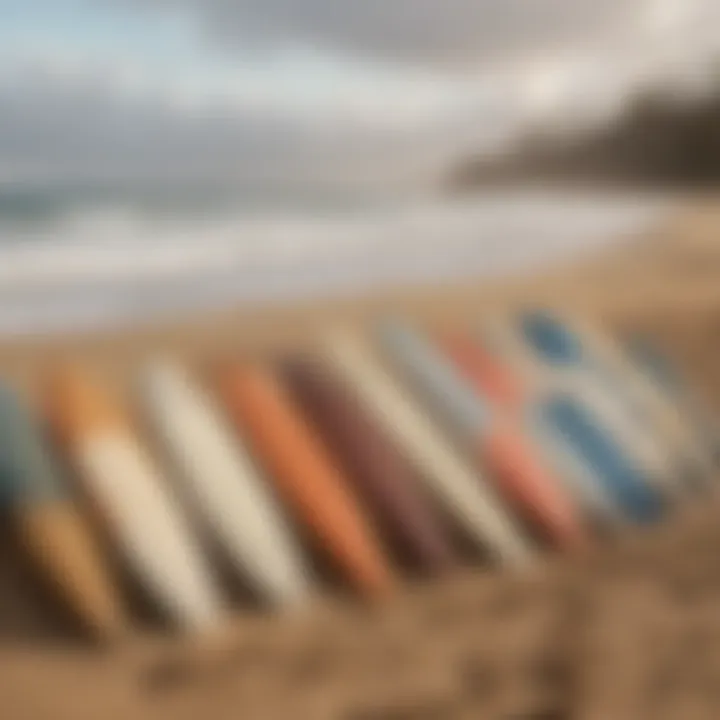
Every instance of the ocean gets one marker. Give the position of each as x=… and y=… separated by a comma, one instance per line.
x=73, y=259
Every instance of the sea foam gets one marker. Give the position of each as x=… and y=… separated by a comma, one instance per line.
x=95, y=267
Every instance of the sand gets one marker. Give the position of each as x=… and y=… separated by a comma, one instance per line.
x=630, y=631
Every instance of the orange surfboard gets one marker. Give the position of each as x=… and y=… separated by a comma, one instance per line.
x=530, y=487
x=517, y=463
x=304, y=474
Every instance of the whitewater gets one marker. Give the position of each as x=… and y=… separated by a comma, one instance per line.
x=113, y=264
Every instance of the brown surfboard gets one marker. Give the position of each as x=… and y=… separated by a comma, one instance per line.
x=380, y=474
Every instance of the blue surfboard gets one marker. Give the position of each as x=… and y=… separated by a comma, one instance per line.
x=619, y=476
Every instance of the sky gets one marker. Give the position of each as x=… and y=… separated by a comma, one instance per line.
x=298, y=91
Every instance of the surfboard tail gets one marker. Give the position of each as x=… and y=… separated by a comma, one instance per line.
x=531, y=488
x=59, y=542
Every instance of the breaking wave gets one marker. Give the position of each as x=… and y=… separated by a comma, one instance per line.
x=96, y=266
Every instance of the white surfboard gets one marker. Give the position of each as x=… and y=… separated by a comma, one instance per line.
x=150, y=529
x=454, y=483
x=130, y=497
x=579, y=479
x=223, y=485
x=638, y=440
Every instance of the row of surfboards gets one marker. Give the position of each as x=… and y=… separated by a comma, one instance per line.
x=523, y=431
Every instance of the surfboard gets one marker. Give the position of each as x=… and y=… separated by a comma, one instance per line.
x=132, y=499
x=647, y=400
x=380, y=475
x=553, y=359
x=223, y=485
x=596, y=447
x=462, y=490
x=661, y=370
x=512, y=396
x=305, y=476
x=51, y=528
x=520, y=475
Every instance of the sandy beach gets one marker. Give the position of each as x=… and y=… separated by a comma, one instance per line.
x=360, y=361
x=329, y=664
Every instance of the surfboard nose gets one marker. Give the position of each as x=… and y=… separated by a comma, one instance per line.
x=487, y=373
x=73, y=407
x=413, y=354
x=549, y=338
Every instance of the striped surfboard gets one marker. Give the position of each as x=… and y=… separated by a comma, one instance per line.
x=647, y=400
x=544, y=349
x=223, y=485
x=521, y=476
x=141, y=516
x=587, y=444
x=465, y=494
x=495, y=380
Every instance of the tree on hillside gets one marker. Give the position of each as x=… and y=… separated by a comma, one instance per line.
x=662, y=138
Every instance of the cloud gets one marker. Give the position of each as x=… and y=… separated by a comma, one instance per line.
x=366, y=90
x=86, y=128
x=83, y=131
x=82, y=113
x=415, y=31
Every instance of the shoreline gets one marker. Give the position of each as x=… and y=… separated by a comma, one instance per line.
x=640, y=277
x=109, y=272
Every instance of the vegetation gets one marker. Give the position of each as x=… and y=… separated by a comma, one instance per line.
x=660, y=139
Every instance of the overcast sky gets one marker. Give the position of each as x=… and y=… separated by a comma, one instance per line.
x=269, y=89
